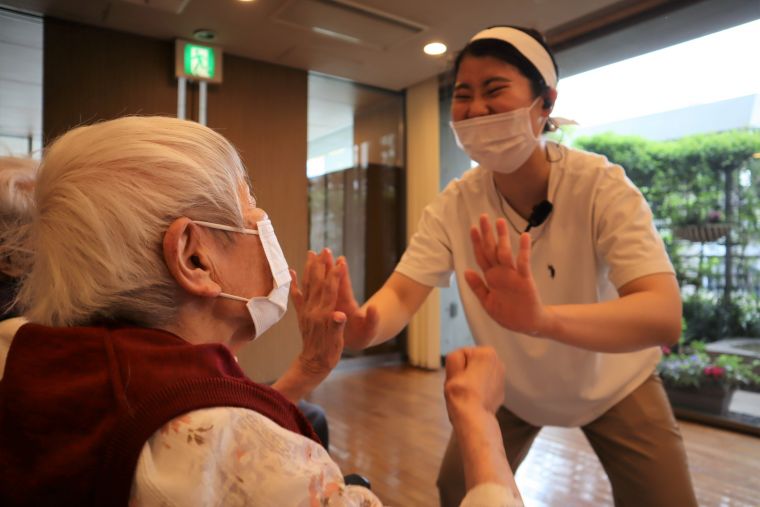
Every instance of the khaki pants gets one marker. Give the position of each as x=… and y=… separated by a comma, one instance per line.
x=637, y=441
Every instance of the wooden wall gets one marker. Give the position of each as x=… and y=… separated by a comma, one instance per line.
x=93, y=74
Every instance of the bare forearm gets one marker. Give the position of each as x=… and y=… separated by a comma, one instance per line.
x=296, y=383
x=393, y=305
x=483, y=456
x=633, y=322
x=394, y=314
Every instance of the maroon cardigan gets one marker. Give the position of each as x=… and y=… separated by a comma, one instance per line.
x=78, y=404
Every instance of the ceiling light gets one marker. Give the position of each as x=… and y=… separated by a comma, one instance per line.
x=435, y=48
x=336, y=35
x=204, y=35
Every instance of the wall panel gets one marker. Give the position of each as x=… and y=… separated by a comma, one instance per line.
x=261, y=108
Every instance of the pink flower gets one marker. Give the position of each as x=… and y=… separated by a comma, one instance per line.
x=714, y=371
x=666, y=350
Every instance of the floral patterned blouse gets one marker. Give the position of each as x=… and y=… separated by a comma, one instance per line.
x=227, y=456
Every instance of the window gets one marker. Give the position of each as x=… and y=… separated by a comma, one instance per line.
x=355, y=167
x=20, y=84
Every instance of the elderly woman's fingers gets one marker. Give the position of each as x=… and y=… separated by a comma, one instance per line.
x=310, y=259
x=327, y=260
x=295, y=292
x=332, y=284
x=455, y=363
x=335, y=328
x=316, y=278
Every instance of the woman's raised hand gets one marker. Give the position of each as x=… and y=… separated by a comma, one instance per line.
x=507, y=290
x=362, y=322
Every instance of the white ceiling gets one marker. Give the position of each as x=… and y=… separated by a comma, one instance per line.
x=375, y=42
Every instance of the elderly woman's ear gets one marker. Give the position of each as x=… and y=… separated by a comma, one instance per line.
x=186, y=256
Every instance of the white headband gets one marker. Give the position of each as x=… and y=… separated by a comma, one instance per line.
x=529, y=47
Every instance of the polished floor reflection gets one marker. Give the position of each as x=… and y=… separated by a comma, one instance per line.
x=390, y=424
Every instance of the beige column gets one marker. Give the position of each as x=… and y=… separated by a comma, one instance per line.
x=422, y=183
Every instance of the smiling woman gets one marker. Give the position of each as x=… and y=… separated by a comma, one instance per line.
x=575, y=306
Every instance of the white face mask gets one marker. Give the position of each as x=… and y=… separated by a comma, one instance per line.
x=265, y=311
x=498, y=142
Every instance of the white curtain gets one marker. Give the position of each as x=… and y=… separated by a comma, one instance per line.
x=423, y=177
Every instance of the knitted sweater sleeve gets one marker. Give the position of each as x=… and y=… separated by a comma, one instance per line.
x=235, y=456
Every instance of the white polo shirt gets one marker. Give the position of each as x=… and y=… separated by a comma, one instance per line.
x=599, y=237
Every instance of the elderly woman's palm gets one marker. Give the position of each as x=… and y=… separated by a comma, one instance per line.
x=315, y=302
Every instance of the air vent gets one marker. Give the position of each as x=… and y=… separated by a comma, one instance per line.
x=173, y=6
x=349, y=21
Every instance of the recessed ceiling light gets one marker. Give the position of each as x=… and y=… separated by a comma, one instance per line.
x=435, y=48
x=204, y=34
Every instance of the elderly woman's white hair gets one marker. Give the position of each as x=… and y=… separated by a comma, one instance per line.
x=17, y=176
x=105, y=196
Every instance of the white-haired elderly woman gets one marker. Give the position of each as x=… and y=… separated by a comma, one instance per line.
x=152, y=267
x=16, y=188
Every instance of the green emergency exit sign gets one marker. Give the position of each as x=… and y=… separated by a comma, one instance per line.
x=198, y=62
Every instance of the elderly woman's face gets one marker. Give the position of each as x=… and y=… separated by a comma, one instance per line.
x=246, y=270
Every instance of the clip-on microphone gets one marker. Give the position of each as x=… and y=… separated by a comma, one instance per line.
x=540, y=213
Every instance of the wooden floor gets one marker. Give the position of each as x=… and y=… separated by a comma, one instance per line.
x=389, y=423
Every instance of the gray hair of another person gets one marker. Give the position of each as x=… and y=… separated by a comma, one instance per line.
x=17, y=177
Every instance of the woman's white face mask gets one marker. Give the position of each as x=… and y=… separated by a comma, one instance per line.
x=500, y=142
x=265, y=311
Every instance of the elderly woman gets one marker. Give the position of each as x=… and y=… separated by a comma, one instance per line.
x=152, y=267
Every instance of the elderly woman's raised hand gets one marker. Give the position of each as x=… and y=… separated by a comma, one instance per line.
x=315, y=301
x=474, y=380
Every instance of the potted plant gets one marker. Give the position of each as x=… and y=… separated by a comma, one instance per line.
x=700, y=227
x=698, y=381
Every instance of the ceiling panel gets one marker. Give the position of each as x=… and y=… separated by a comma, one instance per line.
x=374, y=42
x=349, y=22
x=390, y=58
